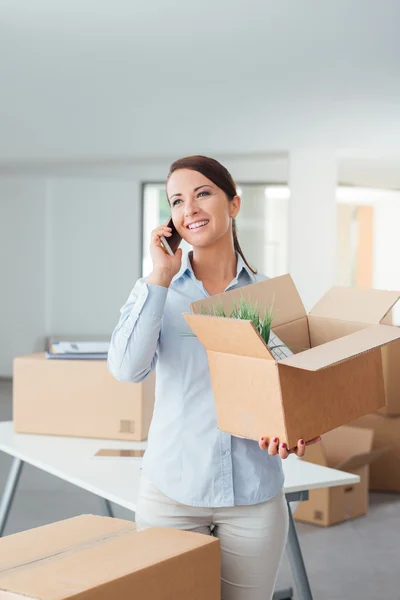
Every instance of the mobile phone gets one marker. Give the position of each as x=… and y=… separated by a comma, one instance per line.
x=172, y=243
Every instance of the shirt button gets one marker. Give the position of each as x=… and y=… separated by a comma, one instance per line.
x=227, y=452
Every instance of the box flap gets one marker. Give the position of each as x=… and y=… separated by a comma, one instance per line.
x=355, y=304
x=315, y=454
x=360, y=460
x=232, y=336
x=342, y=349
x=346, y=442
x=278, y=293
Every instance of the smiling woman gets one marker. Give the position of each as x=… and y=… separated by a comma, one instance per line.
x=195, y=476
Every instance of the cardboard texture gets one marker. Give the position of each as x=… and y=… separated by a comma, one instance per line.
x=99, y=558
x=334, y=377
x=348, y=449
x=352, y=309
x=79, y=398
x=385, y=470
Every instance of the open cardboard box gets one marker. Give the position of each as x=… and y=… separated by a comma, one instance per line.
x=99, y=558
x=329, y=383
x=348, y=449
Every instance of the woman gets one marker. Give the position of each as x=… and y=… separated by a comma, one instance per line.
x=194, y=476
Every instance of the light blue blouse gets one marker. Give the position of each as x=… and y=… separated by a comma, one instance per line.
x=188, y=458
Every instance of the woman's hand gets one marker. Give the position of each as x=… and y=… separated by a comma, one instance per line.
x=274, y=447
x=165, y=266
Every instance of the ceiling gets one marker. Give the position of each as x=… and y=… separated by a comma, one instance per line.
x=96, y=79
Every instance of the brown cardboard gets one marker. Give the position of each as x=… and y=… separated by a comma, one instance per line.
x=346, y=309
x=348, y=449
x=385, y=470
x=319, y=388
x=99, y=558
x=79, y=398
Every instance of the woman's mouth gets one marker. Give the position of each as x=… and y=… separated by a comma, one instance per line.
x=198, y=225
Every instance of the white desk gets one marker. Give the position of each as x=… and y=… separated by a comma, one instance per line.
x=116, y=480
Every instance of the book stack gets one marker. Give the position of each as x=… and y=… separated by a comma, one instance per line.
x=70, y=350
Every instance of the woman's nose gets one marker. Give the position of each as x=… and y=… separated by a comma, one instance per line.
x=191, y=208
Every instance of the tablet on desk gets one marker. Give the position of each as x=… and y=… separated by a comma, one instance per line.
x=118, y=453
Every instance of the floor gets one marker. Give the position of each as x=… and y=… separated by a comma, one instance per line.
x=356, y=560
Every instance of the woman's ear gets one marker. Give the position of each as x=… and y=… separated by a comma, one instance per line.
x=234, y=206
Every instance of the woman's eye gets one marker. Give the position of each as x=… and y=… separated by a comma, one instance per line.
x=204, y=192
x=175, y=202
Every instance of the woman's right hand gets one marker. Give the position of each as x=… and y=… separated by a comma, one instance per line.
x=165, y=266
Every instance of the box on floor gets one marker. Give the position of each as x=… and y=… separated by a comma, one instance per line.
x=348, y=449
x=335, y=378
x=385, y=471
x=99, y=558
x=79, y=398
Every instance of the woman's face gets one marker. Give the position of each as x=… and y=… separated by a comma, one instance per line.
x=200, y=210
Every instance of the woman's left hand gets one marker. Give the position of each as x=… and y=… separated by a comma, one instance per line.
x=274, y=447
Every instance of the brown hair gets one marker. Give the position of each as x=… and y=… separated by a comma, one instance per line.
x=220, y=176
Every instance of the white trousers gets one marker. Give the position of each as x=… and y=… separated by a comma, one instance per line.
x=252, y=538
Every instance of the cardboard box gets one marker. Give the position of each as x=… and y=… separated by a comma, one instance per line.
x=348, y=449
x=385, y=471
x=324, y=386
x=99, y=558
x=354, y=309
x=79, y=398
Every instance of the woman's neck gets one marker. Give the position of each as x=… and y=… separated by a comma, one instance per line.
x=217, y=263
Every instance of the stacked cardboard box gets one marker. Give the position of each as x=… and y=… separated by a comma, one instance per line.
x=79, y=398
x=385, y=470
x=99, y=558
x=336, y=378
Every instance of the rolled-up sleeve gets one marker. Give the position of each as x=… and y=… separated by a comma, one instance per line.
x=133, y=348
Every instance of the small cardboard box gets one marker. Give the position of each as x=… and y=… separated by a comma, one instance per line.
x=348, y=449
x=385, y=471
x=328, y=384
x=357, y=308
x=99, y=558
x=79, y=398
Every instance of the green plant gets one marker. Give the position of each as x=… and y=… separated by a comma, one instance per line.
x=247, y=311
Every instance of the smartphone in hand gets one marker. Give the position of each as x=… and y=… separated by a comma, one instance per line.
x=172, y=243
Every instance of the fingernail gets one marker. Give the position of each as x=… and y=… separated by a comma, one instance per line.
x=275, y=440
x=302, y=442
x=283, y=446
x=262, y=439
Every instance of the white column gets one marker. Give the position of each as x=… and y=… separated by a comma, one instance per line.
x=312, y=222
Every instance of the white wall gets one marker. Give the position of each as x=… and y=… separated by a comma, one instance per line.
x=312, y=222
x=386, y=272
x=95, y=242
x=70, y=254
x=22, y=268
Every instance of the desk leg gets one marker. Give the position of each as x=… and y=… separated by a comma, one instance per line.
x=108, y=508
x=9, y=492
x=283, y=594
x=296, y=561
